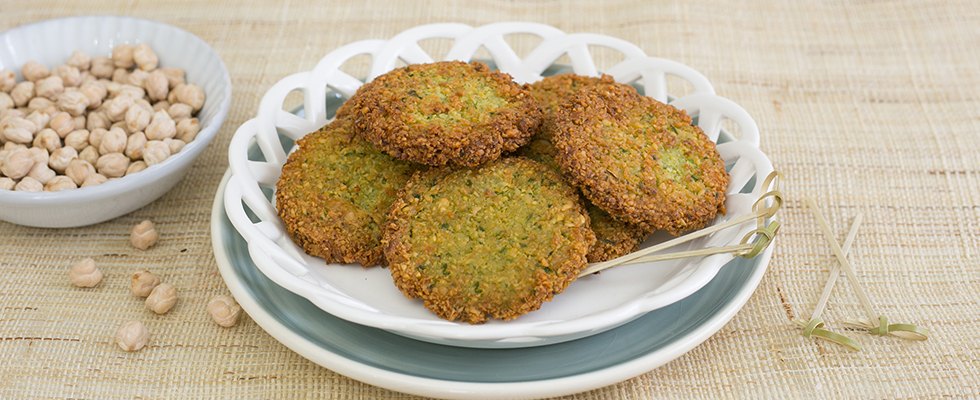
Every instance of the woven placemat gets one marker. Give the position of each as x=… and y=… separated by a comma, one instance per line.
x=867, y=108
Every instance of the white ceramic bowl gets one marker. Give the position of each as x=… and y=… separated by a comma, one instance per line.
x=367, y=296
x=51, y=42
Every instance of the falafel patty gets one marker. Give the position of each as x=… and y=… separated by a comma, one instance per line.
x=334, y=193
x=640, y=160
x=613, y=238
x=493, y=242
x=442, y=113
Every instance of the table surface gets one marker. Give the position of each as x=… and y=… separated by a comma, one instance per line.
x=869, y=108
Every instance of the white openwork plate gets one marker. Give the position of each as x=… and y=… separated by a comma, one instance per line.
x=367, y=296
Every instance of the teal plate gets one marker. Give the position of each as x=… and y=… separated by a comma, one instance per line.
x=399, y=363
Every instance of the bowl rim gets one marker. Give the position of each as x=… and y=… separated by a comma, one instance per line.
x=152, y=173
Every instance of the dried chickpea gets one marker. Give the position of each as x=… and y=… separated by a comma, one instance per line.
x=40, y=117
x=224, y=311
x=162, y=298
x=155, y=152
x=42, y=173
x=39, y=155
x=47, y=139
x=94, y=179
x=134, y=146
x=8, y=79
x=143, y=283
x=77, y=139
x=116, y=108
x=18, y=135
x=60, y=158
x=34, y=71
x=120, y=76
x=136, y=166
x=175, y=145
x=145, y=57
x=62, y=123
x=79, y=122
x=90, y=154
x=132, y=336
x=74, y=102
x=85, y=274
x=144, y=235
x=7, y=183
x=175, y=76
x=79, y=170
x=49, y=87
x=28, y=184
x=179, y=111
x=79, y=60
x=59, y=183
x=138, y=117
x=135, y=92
x=114, y=141
x=22, y=93
x=137, y=77
x=161, y=105
x=17, y=164
x=191, y=95
x=156, y=85
x=187, y=129
x=97, y=120
x=70, y=76
x=102, y=67
x=95, y=136
x=95, y=92
x=161, y=127
x=122, y=56
x=112, y=165
x=6, y=102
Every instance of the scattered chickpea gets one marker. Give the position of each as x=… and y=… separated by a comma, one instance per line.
x=132, y=336
x=224, y=311
x=162, y=298
x=34, y=71
x=144, y=235
x=143, y=283
x=85, y=274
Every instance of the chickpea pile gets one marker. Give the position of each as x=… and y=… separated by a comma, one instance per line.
x=93, y=119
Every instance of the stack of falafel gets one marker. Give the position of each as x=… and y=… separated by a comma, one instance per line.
x=485, y=198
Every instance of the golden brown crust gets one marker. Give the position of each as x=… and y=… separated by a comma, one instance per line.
x=494, y=242
x=444, y=113
x=613, y=238
x=334, y=193
x=640, y=160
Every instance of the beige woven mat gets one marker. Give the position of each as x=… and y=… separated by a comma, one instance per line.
x=867, y=108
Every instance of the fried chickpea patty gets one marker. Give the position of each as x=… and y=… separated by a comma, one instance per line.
x=640, y=160
x=444, y=113
x=334, y=193
x=613, y=238
x=494, y=242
